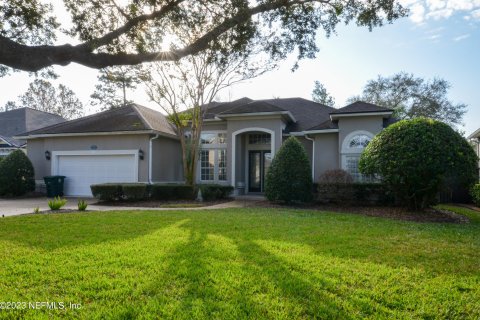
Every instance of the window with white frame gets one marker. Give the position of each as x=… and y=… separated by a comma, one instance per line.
x=359, y=141
x=213, y=156
x=207, y=165
x=352, y=147
x=259, y=138
x=222, y=165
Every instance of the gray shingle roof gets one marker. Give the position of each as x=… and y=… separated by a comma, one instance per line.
x=361, y=107
x=128, y=118
x=327, y=125
x=252, y=107
x=306, y=112
x=17, y=121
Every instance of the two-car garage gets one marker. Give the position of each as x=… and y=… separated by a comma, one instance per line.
x=84, y=168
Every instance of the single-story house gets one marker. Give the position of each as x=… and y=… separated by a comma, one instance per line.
x=238, y=142
x=17, y=121
x=475, y=140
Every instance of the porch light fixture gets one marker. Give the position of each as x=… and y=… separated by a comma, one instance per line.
x=47, y=155
x=140, y=154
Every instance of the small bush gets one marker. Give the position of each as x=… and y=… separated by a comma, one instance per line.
x=82, y=205
x=57, y=203
x=36, y=210
x=215, y=191
x=134, y=191
x=336, y=176
x=475, y=192
x=171, y=192
x=107, y=191
x=289, y=178
x=16, y=174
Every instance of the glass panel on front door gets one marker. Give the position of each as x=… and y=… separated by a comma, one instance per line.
x=258, y=164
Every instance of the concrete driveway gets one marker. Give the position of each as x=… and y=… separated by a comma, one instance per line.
x=13, y=207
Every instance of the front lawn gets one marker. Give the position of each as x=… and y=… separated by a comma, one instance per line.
x=239, y=263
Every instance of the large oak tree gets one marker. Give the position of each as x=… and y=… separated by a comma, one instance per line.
x=106, y=33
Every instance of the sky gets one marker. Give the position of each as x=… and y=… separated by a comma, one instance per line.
x=440, y=38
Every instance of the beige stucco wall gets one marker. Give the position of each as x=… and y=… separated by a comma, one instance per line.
x=326, y=153
x=214, y=126
x=167, y=160
x=36, y=149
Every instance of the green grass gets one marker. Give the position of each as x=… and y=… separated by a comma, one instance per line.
x=240, y=263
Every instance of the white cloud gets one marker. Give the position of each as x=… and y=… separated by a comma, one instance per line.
x=476, y=14
x=423, y=10
x=460, y=4
x=462, y=37
x=435, y=4
x=417, y=13
x=434, y=37
x=440, y=14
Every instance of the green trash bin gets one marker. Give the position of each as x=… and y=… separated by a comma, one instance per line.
x=54, y=185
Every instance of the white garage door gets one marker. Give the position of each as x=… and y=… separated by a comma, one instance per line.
x=81, y=171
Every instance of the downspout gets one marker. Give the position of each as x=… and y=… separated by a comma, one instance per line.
x=150, y=157
x=313, y=156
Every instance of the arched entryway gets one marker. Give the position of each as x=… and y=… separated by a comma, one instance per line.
x=252, y=152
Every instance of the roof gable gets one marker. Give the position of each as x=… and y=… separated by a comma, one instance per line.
x=361, y=107
x=128, y=118
x=17, y=121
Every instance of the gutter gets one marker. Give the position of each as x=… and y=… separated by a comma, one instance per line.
x=150, y=157
x=313, y=156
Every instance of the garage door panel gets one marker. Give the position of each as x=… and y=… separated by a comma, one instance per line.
x=81, y=171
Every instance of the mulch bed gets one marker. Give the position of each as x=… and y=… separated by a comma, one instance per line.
x=60, y=211
x=397, y=213
x=162, y=204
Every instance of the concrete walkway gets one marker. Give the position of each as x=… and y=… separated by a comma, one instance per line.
x=13, y=207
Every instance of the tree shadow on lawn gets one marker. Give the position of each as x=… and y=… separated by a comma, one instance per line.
x=241, y=281
x=213, y=275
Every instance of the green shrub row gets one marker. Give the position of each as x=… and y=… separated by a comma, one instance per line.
x=354, y=193
x=144, y=191
x=215, y=191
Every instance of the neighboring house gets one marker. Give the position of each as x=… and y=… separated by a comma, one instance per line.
x=17, y=121
x=238, y=143
x=475, y=140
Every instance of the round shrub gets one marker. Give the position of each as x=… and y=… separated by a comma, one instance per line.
x=289, y=177
x=415, y=157
x=16, y=174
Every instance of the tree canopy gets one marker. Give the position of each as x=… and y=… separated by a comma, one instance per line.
x=413, y=97
x=321, y=95
x=106, y=33
x=42, y=95
x=113, y=85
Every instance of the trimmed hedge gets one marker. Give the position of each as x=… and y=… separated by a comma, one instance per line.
x=215, y=191
x=355, y=194
x=134, y=191
x=171, y=192
x=141, y=191
x=107, y=191
x=475, y=192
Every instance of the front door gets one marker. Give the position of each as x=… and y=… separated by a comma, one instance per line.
x=258, y=163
